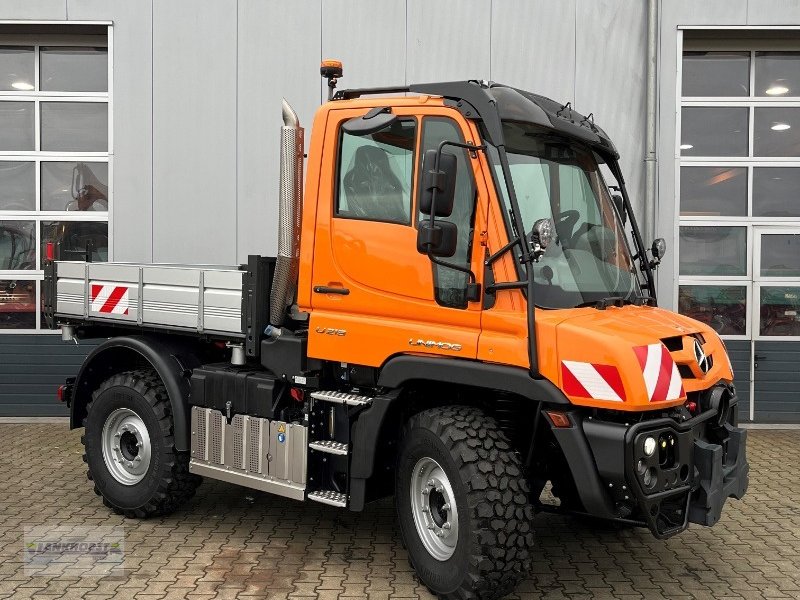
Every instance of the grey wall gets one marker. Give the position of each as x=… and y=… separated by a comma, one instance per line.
x=198, y=84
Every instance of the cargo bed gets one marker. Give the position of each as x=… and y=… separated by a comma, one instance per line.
x=200, y=299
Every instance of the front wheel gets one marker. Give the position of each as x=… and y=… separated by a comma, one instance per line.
x=463, y=506
x=130, y=449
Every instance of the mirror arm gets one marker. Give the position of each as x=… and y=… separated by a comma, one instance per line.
x=490, y=260
x=644, y=264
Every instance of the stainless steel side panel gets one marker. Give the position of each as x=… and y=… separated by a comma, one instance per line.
x=278, y=450
x=250, y=451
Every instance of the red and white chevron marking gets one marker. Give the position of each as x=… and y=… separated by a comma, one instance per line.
x=110, y=299
x=588, y=380
x=661, y=376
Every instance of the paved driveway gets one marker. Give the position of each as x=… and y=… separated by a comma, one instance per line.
x=230, y=542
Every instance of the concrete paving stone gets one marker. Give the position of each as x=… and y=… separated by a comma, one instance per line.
x=229, y=542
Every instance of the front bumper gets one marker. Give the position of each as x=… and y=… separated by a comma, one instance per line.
x=697, y=465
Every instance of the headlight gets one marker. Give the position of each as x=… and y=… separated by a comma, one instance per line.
x=649, y=446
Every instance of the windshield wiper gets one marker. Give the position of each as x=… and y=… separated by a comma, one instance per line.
x=604, y=303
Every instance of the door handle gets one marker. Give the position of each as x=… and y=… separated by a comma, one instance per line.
x=324, y=289
x=756, y=358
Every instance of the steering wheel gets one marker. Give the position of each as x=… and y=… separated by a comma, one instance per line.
x=565, y=224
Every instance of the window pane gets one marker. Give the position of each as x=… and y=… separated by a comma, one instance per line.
x=780, y=311
x=713, y=250
x=17, y=245
x=16, y=68
x=716, y=74
x=75, y=126
x=714, y=131
x=73, y=69
x=75, y=186
x=780, y=255
x=75, y=238
x=777, y=74
x=776, y=132
x=16, y=125
x=775, y=192
x=724, y=308
x=17, y=185
x=17, y=304
x=450, y=286
x=714, y=191
x=375, y=173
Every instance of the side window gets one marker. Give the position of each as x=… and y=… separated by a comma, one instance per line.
x=451, y=285
x=375, y=173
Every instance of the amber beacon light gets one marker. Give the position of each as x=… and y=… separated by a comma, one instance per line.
x=331, y=70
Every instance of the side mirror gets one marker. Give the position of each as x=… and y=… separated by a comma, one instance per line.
x=372, y=122
x=659, y=248
x=619, y=203
x=541, y=236
x=439, y=240
x=443, y=181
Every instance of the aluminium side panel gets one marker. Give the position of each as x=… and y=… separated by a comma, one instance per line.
x=222, y=300
x=70, y=288
x=170, y=296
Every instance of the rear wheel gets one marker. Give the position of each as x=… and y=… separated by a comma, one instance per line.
x=463, y=505
x=130, y=449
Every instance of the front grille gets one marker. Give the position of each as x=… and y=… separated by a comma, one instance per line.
x=673, y=344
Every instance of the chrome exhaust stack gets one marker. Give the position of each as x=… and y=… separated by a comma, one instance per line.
x=290, y=208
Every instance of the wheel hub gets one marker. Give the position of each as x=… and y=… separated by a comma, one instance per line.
x=433, y=509
x=126, y=446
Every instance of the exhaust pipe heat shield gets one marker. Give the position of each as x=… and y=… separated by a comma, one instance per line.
x=290, y=208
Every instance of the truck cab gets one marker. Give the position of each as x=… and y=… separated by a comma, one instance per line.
x=462, y=310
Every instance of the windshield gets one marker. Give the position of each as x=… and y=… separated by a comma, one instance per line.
x=554, y=178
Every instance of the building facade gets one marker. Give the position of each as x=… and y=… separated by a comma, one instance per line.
x=147, y=131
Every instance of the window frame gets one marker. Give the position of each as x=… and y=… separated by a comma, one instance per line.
x=338, y=173
x=38, y=156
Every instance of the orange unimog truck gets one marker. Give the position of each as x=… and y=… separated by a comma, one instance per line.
x=462, y=310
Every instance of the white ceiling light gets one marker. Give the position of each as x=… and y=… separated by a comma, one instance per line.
x=22, y=86
x=777, y=90
x=686, y=146
x=780, y=127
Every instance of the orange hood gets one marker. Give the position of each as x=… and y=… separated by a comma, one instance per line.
x=636, y=358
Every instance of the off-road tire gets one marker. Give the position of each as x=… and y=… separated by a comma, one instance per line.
x=495, y=517
x=167, y=483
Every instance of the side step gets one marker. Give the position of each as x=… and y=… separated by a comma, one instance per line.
x=329, y=446
x=329, y=497
x=341, y=398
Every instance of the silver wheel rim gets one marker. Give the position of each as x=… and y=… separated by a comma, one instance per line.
x=126, y=446
x=434, y=509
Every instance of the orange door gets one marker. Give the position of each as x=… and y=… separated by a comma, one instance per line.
x=373, y=295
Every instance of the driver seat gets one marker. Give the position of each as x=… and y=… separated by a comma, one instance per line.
x=372, y=188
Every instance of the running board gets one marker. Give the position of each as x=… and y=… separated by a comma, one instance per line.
x=341, y=398
x=329, y=497
x=329, y=447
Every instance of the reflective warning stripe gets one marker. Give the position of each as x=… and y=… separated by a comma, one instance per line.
x=588, y=380
x=110, y=299
x=661, y=376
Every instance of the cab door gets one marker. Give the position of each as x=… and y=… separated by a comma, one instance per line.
x=373, y=295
